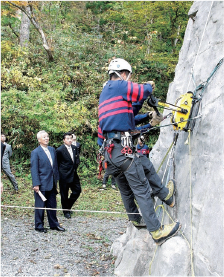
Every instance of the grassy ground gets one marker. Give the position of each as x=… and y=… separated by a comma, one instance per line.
x=92, y=198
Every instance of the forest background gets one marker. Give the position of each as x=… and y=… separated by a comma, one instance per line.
x=54, y=59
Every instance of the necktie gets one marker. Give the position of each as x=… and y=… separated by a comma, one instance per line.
x=49, y=156
x=70, y=152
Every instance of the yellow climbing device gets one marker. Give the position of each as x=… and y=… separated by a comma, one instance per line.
x=180, y=118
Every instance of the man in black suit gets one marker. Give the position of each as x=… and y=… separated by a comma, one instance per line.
x=68, y=159
x=76, y=143
x=44, y=172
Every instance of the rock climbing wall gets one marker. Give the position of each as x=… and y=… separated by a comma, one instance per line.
x=198, y=160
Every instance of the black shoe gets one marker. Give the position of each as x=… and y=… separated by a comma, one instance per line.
x=140, y=223
x=67, y=215
x=58, y=228
x=42, y=230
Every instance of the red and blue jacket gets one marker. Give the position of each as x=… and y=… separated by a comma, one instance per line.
x=115, y=105
x=144, y=150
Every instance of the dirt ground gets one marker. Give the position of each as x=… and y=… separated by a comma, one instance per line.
x=83, y=250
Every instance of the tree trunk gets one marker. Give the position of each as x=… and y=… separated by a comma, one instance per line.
x=178, y=33
x=35, y=23
x=25, y=29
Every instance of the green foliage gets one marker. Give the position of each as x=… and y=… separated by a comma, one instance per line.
x=84, y=36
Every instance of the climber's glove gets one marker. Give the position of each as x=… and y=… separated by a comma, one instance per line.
x=156, y=119
x=152, y=83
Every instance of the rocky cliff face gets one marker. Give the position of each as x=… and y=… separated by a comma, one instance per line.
x=198, y=164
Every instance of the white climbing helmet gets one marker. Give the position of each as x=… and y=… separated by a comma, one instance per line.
x=117, y=65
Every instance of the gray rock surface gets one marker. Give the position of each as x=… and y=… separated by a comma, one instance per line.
x=199, y=165
x=133, y=250
x=172, y=258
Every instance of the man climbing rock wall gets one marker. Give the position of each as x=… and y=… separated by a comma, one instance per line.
x=198, y=163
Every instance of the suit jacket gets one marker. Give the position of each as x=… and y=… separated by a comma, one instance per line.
x=43, y=174
x=66, y=166
x=7, y=154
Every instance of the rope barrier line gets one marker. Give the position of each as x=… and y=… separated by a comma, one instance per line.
x=55, y=209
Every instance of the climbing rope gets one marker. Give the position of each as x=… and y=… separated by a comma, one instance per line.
x=191, y=246
x=165, y=156
x=203, y=86
x=192, y=69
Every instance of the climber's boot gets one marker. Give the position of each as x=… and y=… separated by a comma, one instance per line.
x=139, y=223
x=165, y=232
x=170, y=199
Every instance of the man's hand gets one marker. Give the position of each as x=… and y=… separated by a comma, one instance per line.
x=36, y=188
x=152, y=83
x=156, y=119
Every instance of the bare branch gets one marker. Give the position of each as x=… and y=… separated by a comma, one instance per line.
x=35, y=23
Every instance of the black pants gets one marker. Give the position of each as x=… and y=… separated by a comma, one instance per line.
x=50, y=203
x=106, y=177
x=67, y=202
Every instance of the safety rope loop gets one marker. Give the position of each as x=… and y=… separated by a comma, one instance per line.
x=109, y=149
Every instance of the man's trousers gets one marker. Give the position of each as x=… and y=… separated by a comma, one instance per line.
x=6, y=169
x=67, y=202
x=137, y=182
x=106, y=177
x=50, y=203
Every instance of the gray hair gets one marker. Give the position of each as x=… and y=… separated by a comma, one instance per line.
x=74, y=136
x=40, y=133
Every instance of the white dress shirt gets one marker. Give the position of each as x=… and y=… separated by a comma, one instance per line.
x=70, y=151
x=48, y=154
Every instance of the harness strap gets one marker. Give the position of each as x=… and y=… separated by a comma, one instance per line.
x=126, y=164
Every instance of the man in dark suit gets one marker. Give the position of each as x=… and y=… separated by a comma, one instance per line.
x=44, y=171
x=68, y=159
x=76, y=143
